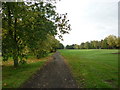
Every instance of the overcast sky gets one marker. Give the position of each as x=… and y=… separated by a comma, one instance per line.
x=89, y=19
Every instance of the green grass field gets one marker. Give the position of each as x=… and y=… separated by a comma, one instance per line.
x=15, y=77
x=93, y=68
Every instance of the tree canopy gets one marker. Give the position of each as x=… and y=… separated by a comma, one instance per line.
x=30, y=28
x=110, y=42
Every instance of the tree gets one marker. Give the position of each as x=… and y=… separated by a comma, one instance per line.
x=82, y=45
x=75, y=46
x=111, y=41
x=46, y=46
x=104, y=44
x=117, y=42
x=87, y=45
x=69, y=47
x=27, y=27
x=95, y=44
x=60, y=46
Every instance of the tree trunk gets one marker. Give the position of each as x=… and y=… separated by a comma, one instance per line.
x=13, y=36
x=16, y=45
x=15, y=61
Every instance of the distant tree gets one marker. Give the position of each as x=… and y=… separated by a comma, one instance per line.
x=111, y=41
x=104, y=44
x=75, y=46
x=82, y=46
x=60, y=46
x=69, y=47
x=87, y=45
x=99, y=44
x=96, y=44
x=117, y=42
x=92, y=44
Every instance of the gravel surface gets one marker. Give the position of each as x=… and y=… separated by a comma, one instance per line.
x=55, y=74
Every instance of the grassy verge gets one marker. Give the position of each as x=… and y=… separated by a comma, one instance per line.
x=15, y=77
x=93, y=68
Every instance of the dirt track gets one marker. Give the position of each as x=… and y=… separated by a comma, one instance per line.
x=54, y=75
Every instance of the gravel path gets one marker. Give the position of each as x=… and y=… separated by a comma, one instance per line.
x=54, y=75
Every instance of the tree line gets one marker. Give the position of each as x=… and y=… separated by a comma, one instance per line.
x=110, y=42
x=30, y=28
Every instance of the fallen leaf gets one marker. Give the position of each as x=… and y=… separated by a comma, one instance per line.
x=4, y=84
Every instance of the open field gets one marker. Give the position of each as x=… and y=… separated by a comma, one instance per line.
x=15, y=77
x=93, y=68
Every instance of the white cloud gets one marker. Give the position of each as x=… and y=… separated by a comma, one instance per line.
x=90, y=19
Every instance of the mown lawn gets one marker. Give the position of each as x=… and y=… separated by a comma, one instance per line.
x=93, y=68
x=15, y=77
